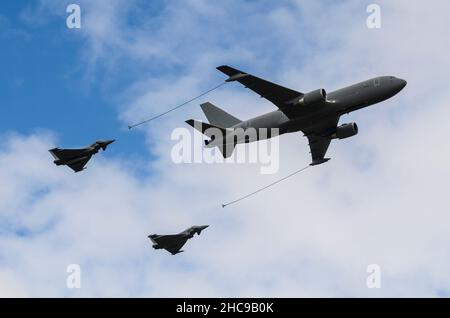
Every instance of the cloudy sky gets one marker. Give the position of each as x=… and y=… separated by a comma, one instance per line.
x=382, y=199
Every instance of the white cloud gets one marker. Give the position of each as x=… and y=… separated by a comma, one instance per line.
x=381, y=199
x=10, y=286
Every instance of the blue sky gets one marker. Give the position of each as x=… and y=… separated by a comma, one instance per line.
x=43, y=84
x=381, y=199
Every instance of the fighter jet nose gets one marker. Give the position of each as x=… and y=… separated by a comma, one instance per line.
x=105, y=142
x=398, y=84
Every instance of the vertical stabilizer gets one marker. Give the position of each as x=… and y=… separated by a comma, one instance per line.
x=219, y=117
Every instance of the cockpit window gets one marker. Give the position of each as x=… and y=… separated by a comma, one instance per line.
x=376, y=82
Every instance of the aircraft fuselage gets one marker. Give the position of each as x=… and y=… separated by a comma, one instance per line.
x=339, y=102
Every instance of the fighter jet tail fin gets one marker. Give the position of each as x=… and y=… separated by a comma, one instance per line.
x=219, y=117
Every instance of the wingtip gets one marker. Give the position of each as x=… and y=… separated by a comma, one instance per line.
x=203, y=227
x=190, y=122
x=236, y=77
x=78, y=171
x=319, y=161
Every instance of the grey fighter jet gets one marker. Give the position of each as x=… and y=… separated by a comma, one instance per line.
x=174, y=243
x=76, y=159
x=316, y=113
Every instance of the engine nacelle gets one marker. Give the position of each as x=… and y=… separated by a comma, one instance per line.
x=311, y=98
x=345, y=131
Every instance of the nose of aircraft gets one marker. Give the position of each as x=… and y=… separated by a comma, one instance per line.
x=402, y=83
x=399, y=84
x=105, y=142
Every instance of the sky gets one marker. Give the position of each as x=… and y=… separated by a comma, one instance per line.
x=382, y=199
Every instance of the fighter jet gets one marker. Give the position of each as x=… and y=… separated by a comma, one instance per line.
x=174, y=243
x=316, y=113
x=76, y=159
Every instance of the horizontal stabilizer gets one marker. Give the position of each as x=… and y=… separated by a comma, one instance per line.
x=209, y=130
x=227, y=150
x=213, y=132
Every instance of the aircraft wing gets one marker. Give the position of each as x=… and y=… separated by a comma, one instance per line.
x=275, y=93
x=164, y=239
x=318, y=140
x=153, y=238
x=319, y=146
x=79, y=165
x=175, y=246
x=66, y=154
x=171, y=243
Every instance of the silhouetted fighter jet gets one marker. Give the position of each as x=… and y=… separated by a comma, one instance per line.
x=76, y=159
x=174, y=243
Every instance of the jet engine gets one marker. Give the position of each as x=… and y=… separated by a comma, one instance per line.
x=311, y=98
x=345, y=131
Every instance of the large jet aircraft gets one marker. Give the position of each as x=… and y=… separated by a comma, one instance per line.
x=173, y=243
x=76, y=159
x=316, y=113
